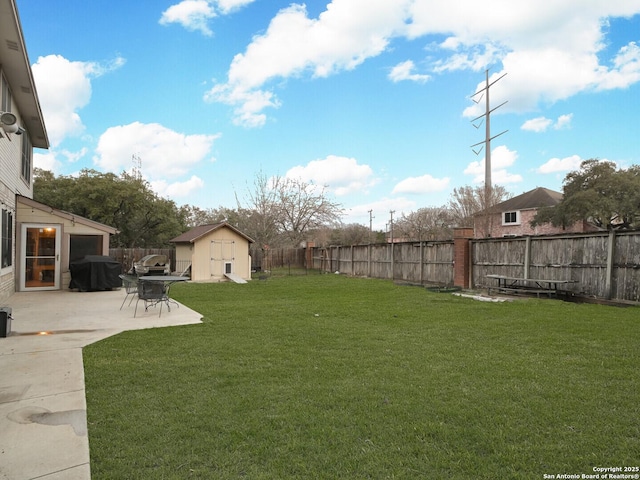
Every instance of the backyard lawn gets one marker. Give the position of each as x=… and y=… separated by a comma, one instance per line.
x=330, y=377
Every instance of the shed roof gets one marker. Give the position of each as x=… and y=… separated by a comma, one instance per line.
x=66, y=215
x=200, y=231
x=536, y=198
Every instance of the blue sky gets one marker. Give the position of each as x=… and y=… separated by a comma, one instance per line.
x=370, y=99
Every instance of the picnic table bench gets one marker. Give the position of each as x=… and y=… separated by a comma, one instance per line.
x=529, y=285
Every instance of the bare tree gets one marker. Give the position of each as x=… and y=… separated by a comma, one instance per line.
x=259, y=216
x=468, y=203
x=430, y=223
x=301, y=207
x=280, y=211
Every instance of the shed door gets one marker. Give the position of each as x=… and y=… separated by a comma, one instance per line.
x=222, y=257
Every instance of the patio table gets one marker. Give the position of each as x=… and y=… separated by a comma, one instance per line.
x=154, y=289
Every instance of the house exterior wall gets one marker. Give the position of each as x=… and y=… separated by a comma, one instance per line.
x=523, y=227
x=12, y=183
x=202, y=265
x=27, y=214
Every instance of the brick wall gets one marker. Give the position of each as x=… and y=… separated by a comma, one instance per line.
x=461, y=257
x=497, y=229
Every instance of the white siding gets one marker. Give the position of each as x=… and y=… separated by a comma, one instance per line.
x=11, y=183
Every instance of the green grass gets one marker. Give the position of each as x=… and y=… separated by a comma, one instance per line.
x=329, y=377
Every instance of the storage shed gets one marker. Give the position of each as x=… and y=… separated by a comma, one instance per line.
x=214, y=253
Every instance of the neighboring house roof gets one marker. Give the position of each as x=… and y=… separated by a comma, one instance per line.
x=198, y=232
x=17, y=70
x=536, y=198
x=66, y=215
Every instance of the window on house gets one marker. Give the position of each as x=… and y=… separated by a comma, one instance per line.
x=27, y=152
x=5, y=106
x=511, y=218
x=6, y=243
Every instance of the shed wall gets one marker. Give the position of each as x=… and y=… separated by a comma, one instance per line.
x=26, y=214
x=202, y=264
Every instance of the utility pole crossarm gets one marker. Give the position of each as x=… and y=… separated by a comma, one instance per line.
x=484, y=141
x=487, y=137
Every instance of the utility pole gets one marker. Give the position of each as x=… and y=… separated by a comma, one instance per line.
x=371, y=217
x=487, y=136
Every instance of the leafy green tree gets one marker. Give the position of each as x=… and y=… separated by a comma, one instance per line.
x=124, y=202
x=351, y=234
x=606, y=197
x=195, y=216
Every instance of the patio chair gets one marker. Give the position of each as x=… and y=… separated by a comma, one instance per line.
x=130, y=284
x=152, y=294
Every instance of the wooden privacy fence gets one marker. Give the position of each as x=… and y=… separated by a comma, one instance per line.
x=603, y=264
x=413, y=262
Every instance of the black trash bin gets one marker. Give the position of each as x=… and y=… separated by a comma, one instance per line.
x=5, y=322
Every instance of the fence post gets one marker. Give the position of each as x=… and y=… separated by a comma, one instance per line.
x=608, y=285
x=391, y=259
x=422, y=262
x=352, y=262
x=527, y=256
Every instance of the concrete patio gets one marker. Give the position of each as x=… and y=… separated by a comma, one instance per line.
x=42, y=399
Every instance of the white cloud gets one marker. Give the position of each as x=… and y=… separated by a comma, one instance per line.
x=423, y=184
x=475, y=57
x=194, y=15
x=164, y=153
x=64, y=88
x=625, y=70
x=177, y=189
x=341, y=38
x=227, y=6
x=501, y=159
x=564, y=121
x=191, y=14
x=47, y=161
x=404, y=71
x=341, y=175
x=248, y=104
x=542, y=124
x=550, y=50
x=503, y=177
x=561, y=164
x=538, y=124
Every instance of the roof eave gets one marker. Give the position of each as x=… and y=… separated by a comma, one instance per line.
x=17, y=70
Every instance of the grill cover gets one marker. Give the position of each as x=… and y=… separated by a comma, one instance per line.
x=95, y=272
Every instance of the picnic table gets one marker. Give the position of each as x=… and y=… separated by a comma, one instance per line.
x=550, y=287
